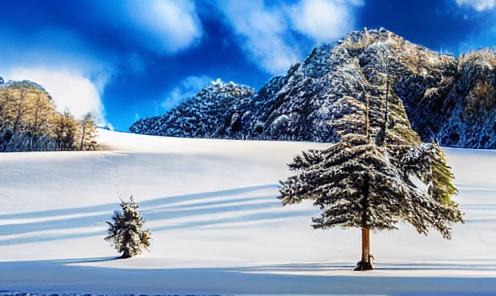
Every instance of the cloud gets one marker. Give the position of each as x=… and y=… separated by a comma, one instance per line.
x=323, y=20
x=67, y=67
x=187, y=88
x=478, y=5
x=262, y=33
x=275, y=35
x=75, y=60
x=165, y=26
x=69, y=90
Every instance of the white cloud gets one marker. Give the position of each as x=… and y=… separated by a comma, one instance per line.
x=67, y=67
x=478, y=5
x=263, y=33
x=323, y=20
x=268, y=33
x=76, y=71
x=188, y=87
x=165, y=26
x=69, y=90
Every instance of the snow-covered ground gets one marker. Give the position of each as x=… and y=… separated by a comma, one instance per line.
x=218, y=228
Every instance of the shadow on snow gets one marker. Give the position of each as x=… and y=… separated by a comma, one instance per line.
x=65, y=277
x=161, y=209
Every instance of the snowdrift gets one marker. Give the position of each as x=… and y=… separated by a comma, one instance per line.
x=217, y=226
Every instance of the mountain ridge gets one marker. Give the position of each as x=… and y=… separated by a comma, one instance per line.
x=451, y=100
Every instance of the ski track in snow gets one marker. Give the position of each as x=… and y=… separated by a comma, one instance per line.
x=218, y=228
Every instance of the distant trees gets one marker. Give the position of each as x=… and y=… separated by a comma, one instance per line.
x=29, y=121
x=86, y=133
x=42, y=111
x=26, y=111
x=125, y=231
x=65, y=128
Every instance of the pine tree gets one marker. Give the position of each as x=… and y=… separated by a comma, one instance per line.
x=358, y=183
x=125, y=231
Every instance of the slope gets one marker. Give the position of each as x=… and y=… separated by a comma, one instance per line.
x=217, y=226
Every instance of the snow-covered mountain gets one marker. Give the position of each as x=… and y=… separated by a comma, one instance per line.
x=449, y=99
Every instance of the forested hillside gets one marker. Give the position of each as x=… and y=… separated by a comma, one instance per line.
x=29, y=121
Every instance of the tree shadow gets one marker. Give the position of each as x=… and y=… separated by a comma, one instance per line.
x=58, y=224
x=322, y=268
x=480, y=265
x=149, y=203
x=88, y=260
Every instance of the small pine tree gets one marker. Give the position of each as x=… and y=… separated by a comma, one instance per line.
x=125, y=231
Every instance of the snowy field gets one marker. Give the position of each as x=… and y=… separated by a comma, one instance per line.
x=218, y=228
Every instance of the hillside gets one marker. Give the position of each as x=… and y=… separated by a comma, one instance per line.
x=218, y=228
x=449, y=99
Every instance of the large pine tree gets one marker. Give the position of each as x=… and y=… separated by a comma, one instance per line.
x=359, y=184
x=125, y=231
x=378, y=174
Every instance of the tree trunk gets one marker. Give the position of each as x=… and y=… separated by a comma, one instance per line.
x=365, y=263
x=125, y=254
x=82, y=137
x=367, y=109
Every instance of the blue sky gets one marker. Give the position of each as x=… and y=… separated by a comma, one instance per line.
x=129, y=59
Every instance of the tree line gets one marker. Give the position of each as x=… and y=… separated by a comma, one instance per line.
x=29, y=121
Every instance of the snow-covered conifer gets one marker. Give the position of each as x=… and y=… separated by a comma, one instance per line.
x=125, y=231
x=358, y=184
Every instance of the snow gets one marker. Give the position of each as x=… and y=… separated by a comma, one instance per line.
x=218, y=228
